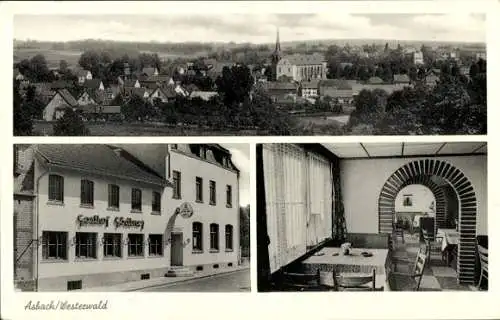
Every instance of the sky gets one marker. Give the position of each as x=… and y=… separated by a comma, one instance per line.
x=253, y=28
x=241, y=159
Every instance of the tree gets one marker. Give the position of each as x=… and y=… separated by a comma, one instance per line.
x=234, y=84
x=23, y=125
x=63, y=66
x=70, y=124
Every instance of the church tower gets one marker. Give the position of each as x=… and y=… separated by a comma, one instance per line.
x=276, y=56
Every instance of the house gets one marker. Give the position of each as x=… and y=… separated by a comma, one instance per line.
x=310, y=89
x=131, y=84
x=44, y=91
x=302, y=67
x=150, y=71
x=83, y=75
x=86, y=99
x=190, y=88
x=140, y=92
x=204, y=95
x=465, y=70
x=431, y=80
x=163, y=93
x=61, y=100
x=99, y=112
x=62, y=84
x=93, y=84
x=401, y=79
x=18, y=76
x=343, y=96
x=375, y=80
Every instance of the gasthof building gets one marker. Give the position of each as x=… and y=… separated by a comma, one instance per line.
x=97, y=215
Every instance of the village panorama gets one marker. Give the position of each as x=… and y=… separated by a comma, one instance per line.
x=324, y=87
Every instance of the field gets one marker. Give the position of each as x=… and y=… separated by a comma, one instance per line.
x=52, y=56
x=42, y=128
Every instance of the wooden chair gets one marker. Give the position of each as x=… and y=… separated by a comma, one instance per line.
x=434, y=246
x=415, y=278
x=302, y=282
x=483, y=259
x=355, y=282
x=397, y=230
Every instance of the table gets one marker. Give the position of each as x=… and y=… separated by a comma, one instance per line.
x=327, y=262
x=450, y=241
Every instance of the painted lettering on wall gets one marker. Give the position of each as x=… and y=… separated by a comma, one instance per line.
x=104, y=221
x=128, y=223
x=93, y=220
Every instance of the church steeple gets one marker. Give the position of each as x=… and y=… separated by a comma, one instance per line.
x=278, y=46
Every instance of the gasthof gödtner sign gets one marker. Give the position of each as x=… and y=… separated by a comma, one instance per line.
x=186, y=210
x=104, y=221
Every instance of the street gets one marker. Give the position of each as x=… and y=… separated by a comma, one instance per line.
x=238, y=281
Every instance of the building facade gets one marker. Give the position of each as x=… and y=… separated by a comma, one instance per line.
x=103, y=215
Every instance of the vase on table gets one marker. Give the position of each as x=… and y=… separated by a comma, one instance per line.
x=346, y=248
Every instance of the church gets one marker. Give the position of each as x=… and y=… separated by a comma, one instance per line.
x=297, y=67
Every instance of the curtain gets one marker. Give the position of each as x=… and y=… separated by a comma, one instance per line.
x=298, y=192
x=284, y=176
x=320, y=189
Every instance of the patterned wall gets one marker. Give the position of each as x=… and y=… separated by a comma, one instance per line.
x=420, y=172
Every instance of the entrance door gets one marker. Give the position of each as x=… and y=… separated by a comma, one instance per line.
x=176, y=251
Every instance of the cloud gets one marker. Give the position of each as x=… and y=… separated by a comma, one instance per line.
x=257, y=28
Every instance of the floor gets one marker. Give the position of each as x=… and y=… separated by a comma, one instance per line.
x=437, y=275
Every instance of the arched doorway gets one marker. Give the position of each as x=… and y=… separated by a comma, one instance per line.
x=422, y=172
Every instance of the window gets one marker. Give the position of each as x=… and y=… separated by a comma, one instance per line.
x=87, y=193
x=156, y=202
x=56, y=188
x=74, y=285
x=203, y=152
x=174, y=146
x=214, y=236
x=113, y=196
x=199, y=189
x=112, y=243
x=136, y=200
x=54, y=245
x=86, y=245
x=212, y=192
x=135, y=245
x=156, y=245
x=229, y=196
x=197, y=236
x=177, y=185
x=229, y=237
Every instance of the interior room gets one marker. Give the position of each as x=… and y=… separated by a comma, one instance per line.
x=372, y=217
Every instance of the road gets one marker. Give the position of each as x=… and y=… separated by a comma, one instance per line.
x=238, y=281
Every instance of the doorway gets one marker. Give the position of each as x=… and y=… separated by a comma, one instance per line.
x=176, y=252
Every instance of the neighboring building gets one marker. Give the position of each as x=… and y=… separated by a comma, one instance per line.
x=58, y=104
x=204, y=95
x=310, y=89
x=83, y=75
x=86, y=99
x=113, y=214
x=279, y=89
x=100, y=112
x=402, y=79
x=150, y=71
x=418, y=58
x=431, y=80
x=163, y=93
x=481, y=55
x=93, y=84
x=62, y=84
x=298, y=67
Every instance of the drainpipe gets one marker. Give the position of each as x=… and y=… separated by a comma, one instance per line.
x=38, y=224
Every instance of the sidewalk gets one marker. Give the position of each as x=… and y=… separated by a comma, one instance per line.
x=162, y=281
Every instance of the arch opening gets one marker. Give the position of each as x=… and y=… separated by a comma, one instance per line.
x=445, y=181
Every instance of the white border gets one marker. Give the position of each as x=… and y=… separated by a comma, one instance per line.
x=459, y=305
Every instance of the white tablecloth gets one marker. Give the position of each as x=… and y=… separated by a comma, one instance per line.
x=449, y=236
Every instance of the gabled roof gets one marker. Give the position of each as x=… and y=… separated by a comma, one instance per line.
x=129, y=83
x=313, y=84
x=205, y=95
x=168, y=91
x=401, y=78
x=161, y=78
x=68, y=97
x=375, y=80
x=150, y=85
x=82, y=73
x=96, y=158
x=305, y=59
x=62, y=84
x=138, y=91
x=149, y=71
x=338, y=84
x=92, y=84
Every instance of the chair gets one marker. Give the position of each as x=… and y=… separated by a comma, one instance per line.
x=356, y=282
x=397, y=230
x=433, y=245
x=302, y=282
x=483, y=259
x=415, y=278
